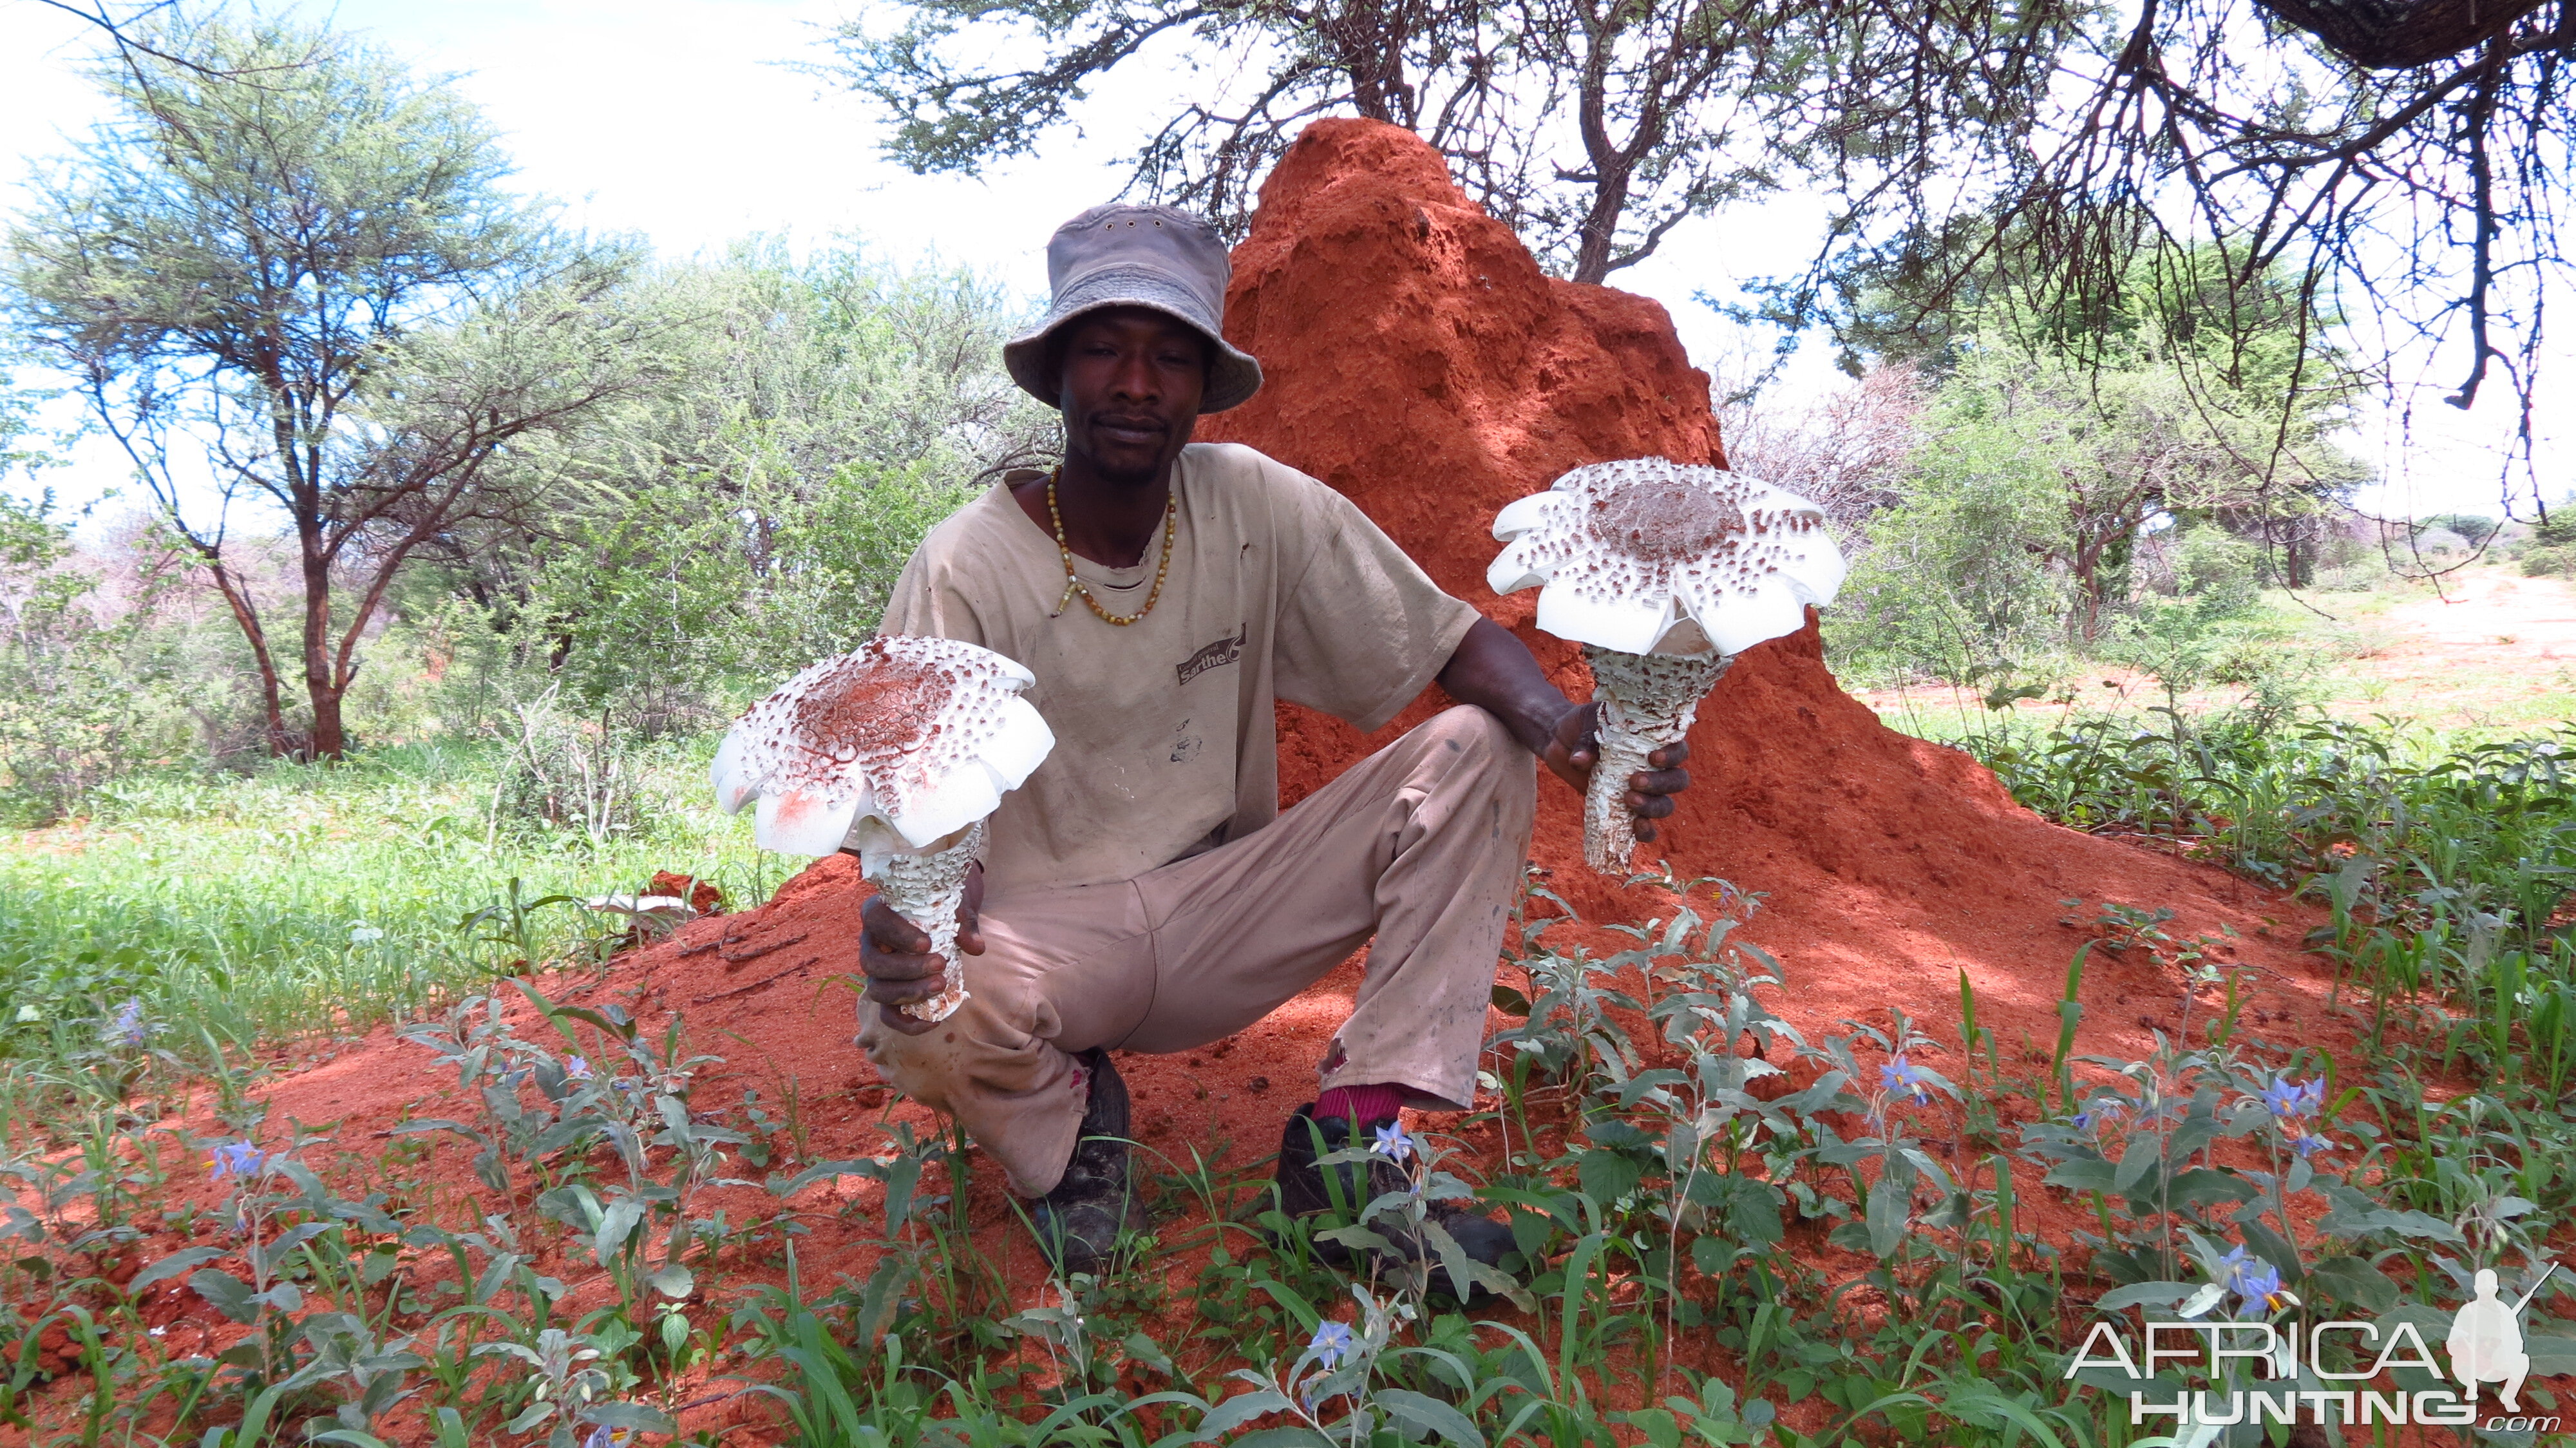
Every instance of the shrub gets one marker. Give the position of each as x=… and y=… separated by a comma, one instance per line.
x=2550, y=562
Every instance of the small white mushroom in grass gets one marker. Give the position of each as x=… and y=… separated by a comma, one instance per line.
x=897, y=750
x=1664, y=572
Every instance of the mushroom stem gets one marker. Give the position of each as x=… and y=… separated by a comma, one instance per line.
x=1647, y=701
x=927, y=890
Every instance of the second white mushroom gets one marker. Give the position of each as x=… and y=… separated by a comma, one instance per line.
x=1664, y=572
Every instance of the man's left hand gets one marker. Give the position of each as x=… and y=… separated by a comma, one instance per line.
x=1575, y=747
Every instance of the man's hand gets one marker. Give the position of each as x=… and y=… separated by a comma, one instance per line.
x=893, y=954
x=1575, y=746
x=1494, y=671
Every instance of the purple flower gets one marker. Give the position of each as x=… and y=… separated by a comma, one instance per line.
x=1332, y=1344
x=2290, y=1100
x=2257, y=1284
x=2309, y=1145
x=237, y=1158
x=577, y=1069
x=1904, y=1078
x=129, y=1028
x=1393, y=1143
x=2100, y=1111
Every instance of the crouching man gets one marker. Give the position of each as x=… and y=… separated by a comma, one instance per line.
x=1143, y=891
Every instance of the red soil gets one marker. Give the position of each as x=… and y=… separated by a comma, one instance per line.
x=1420, y=362
x=703, y=897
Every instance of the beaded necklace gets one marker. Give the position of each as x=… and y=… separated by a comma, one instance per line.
x=1073, y=584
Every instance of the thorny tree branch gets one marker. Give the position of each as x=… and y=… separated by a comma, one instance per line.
x=2207, y=123
x=1590, y=127
x=122, y=33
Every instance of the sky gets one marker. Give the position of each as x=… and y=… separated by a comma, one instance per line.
x=685, y=121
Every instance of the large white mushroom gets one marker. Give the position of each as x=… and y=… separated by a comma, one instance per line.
x=897, y=750
x=1664, y=572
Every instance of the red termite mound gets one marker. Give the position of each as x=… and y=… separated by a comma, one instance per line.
x=1420, y=362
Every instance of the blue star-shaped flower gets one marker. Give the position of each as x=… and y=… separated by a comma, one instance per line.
x=2290, y=1100
x=2256, y=1283
x=1393, y=1143
x=2100, y=1111
x=1332, y=1344
x=236, y=1158
x=1904, y=1078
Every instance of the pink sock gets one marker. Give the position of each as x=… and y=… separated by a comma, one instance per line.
x=1360, y=1103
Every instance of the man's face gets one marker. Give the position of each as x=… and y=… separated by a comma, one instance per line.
x=1130, y=391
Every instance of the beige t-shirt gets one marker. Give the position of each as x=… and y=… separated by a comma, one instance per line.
x=1165, y=739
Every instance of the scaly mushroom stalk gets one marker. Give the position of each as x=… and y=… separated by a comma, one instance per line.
x=1647, y=701
x=897, y=751
x=927, y=890
x=1664, y=572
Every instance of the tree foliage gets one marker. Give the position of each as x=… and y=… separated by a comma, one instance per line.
x=288, y=276
x=699, y=539
x=1591, y=126
x=86, y=687
x=2474, y=529
x=2399, y=165
x=2053, y=455
x=750, y=515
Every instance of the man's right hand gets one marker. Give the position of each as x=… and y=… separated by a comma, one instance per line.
x=894, y=955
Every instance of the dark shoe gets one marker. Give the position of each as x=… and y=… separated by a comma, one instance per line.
x=1344, y=1189
x=1080, y=1222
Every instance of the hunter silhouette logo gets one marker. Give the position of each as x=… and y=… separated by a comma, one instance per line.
x=2486, y=1340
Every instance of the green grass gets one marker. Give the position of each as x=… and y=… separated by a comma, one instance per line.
x=304, y=899
x=2447, y=861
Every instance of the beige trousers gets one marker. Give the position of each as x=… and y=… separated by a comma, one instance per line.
x=1420, y=845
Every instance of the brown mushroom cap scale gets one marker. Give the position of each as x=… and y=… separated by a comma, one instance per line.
x=1647, y=555
x=897, y=745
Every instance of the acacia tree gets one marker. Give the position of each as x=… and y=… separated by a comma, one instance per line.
x=1591, y=126
x=130, y=32
x=285, y=272
x=2056, y=447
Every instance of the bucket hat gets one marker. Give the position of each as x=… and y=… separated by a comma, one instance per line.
x=1138, y=256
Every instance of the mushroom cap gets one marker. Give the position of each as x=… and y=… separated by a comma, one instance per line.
x=1648, y=555
x=900, y=744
